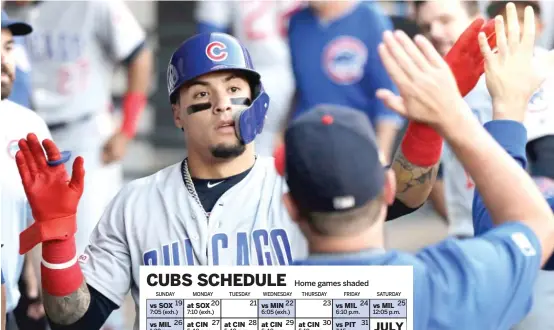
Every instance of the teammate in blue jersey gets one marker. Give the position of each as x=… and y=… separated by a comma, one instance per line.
x=454, y=280
x=334, y=56
x=482, y=221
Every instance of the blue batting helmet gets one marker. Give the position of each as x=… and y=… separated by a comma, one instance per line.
x=211, y=52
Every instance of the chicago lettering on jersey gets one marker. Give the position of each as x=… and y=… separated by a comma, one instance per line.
x=58, y=46
x=262, y=242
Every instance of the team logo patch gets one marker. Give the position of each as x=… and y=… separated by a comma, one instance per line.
x=344, y=59
x=524, y=244
x=537, y=102
x=172, y=77
x=12, y=148
x=83, y=258
x=216, y=51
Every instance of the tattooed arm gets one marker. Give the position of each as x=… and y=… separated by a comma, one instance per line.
x=413, y=183
x=68, y=309
x=84, y=309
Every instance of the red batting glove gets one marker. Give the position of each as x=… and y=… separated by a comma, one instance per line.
x=465, y=58
x=53, y=199
x=52, y=196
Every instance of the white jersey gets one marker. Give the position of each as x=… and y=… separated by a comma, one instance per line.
x=539, y=118
x=261, y=26
x=74, y=49
x=15, y=215
x=458, y=185
x=157, y=221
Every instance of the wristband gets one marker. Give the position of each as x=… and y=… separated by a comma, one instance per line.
x=61, y=282
x=133, y=104
x=61, y=275
x=421, y=145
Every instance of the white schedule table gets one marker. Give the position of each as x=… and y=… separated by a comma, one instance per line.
x=276, y=298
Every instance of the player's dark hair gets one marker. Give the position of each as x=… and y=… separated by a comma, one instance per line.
x=343, y=223
x=472, y=7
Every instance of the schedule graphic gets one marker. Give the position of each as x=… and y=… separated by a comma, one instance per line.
x=276, y=298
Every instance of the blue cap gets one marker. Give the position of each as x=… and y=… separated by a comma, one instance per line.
x=17, y=28
x=332, y=160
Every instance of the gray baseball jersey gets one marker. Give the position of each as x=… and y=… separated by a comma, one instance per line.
x=157, y=221
x=458, y=185
x=74, y=49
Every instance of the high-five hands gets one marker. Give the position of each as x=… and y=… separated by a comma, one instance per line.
x=428, y=89
x=52, y=195
x=512, y=73
x=465, y=58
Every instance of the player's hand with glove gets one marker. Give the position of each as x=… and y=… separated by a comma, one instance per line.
x=421, y=144
x=513, y=74
x=52, y=195
x=465, y=58
x=428, y=90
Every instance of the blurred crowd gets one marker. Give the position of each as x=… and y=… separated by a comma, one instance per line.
x=308, y=53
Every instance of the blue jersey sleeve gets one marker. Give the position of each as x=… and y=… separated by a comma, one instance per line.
x=375, y=72
x=3, y=281
x=291, y=29
x=512, y=136
x=484, y=282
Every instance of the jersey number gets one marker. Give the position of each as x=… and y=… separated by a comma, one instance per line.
x=73, y=77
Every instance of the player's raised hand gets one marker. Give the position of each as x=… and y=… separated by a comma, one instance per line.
x=428, y=89
x=465, y=58
x=512, y=73
x=52, y=195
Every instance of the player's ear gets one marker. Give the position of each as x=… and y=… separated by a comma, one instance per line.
x=291, y=207
x=177, y=114
x=389, y=190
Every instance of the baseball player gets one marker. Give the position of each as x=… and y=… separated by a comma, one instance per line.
x=539, y=122
x=262, y=27
x=539, y=119
x=442, y=22
x=74, y=52
x=16, y=122
x=180, y=215
x=454, y=280
x=339, y=64
x=21, y=91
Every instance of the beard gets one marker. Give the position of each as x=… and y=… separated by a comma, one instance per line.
x=7, y=86
x=6, y=90
x=224, y=151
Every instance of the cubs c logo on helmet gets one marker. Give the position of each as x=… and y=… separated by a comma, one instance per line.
x=216, y=51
